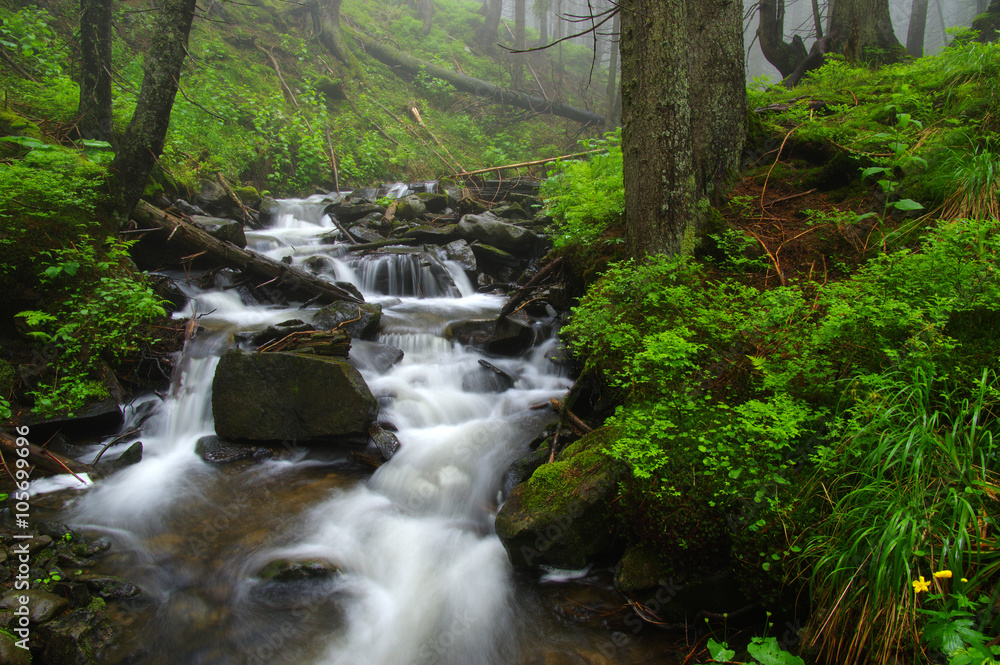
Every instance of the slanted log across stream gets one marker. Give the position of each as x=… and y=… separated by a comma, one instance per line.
x=197, y=240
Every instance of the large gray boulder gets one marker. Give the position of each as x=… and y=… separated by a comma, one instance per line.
x=289, y=396
x=491, y=230
x=227, y=230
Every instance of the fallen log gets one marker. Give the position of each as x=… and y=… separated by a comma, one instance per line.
x=474, y=86
x=41, y=458
x=190, y=236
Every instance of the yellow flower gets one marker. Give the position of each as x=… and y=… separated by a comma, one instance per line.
x=943, y=573
x=964, y=580
x=921, y=585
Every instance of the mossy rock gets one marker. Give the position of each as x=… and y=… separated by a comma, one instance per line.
x=11, y=124
x=641, y=568
x=563, y=516
x=8, y=379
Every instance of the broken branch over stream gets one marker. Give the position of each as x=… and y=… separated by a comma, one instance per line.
x=190, y=236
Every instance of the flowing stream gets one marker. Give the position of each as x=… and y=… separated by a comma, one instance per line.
x=422, y=577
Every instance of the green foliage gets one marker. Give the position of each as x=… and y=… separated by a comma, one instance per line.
x=47, y=199
x=586, y=197
x=99, y=316
x=27, y=36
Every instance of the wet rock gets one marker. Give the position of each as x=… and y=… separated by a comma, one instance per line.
x=434, y=235
x=521, y=469
x=216, y=450
x=348, y=213
x=491, y=230
x=280, y=330
x=227, y=230
x=461, y=253
x=510, y=212
x=492, y=256
x=364, y=234
x=269, y=209
x=562, y=516
x=374, y=356
x=640, y=569
x=132, y=455
x=360, y=321
x=286, y=570
x=484, y=380
x=80, y=638
x=212, y=197
x=110, y=587
x=10, y=653
x=42, y=605
x=505, y=336
x=410, y=207
x=188, y=209
x=435, y=203
x=287, y=396
x=384, y=440
x=469, y=206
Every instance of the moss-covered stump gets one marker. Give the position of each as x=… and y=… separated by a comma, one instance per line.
x=563, y=515
x=288, y=396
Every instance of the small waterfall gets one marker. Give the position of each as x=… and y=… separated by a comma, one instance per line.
x=422, y=579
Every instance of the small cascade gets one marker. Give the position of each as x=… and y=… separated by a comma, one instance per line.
x=420, y=578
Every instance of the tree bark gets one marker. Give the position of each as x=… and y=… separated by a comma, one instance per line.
x=918, y=24
x=517, y=59
x=783, y=55
x=95, y=64
x=866, y=27
x=486, y=37
x=194, y=239
x=327, y=16
x=988, y=23
x=142, y=143
x=427, y=16
x=677, y=53
x=44, y=459
x=411, y=65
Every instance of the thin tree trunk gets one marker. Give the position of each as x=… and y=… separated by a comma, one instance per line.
x=142, y=143
x=487, y=35
x=427, y=15
x=517, y=59
x=612, y=89
x=918, y=25
x=95, y=65
x=327, y=16
x=818, y=19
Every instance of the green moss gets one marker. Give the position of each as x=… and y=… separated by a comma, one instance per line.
x=11, y=124
x=7, y=378
x=547, y=490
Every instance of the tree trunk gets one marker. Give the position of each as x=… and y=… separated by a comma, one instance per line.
x=866, y=27
x=543, y=28
x=612, y=89
x=677, y=53
x=918, y=24
x=427, y=16
x=817, y=19
x=142, y=143
x=988, y=23
x=517, y=59
x=474, y=86
x=327, y=16
x=95, y=64
x=486, y=37
x=783, y=55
